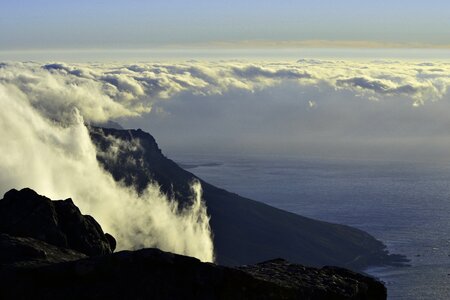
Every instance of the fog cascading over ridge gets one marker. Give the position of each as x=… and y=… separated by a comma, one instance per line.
x=59, y=161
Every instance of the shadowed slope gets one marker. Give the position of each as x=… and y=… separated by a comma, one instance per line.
x=245, y=231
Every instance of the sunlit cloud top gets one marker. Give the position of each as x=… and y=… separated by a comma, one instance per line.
x=113, y=90
x=382, y=108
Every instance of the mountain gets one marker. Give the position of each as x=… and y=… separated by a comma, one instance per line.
x=245, y=231
x=58, y=253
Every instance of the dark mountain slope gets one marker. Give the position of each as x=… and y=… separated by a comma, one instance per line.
x=245, y=231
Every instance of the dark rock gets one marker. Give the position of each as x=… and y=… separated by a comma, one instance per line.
x=245, y=231
x=324, y=283
x=25, y=251
x=112, y=241
x=153, y=274
x=26, y=214
x=34, y=269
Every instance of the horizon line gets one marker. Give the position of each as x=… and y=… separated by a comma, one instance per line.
x=252, y=45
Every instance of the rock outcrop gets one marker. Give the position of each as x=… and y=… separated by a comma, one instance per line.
x=324, y=283
x=24, y=213
x=154, y=274
x=30, y=252
x=31, y=268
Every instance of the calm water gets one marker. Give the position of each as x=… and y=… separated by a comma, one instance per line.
x=406, y=205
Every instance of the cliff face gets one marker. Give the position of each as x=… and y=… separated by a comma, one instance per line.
x=245, y=231
x=32, y=267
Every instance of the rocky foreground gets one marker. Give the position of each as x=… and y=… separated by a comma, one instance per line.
x=49, y=250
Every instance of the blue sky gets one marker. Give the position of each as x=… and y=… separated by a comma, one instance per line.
x=51, y=24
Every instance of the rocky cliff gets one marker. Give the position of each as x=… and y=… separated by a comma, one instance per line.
x=245, y=231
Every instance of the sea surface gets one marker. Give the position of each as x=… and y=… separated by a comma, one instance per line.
x=404, y=204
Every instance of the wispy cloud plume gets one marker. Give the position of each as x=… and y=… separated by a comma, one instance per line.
x=46, y=146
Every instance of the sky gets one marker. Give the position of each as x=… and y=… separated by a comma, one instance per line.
x=134, y=24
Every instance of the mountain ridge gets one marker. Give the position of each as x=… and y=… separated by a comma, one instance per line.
x=245, y=231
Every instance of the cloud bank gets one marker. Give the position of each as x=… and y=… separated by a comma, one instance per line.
x=46, y=146
x=306, y=106
x=107, y=91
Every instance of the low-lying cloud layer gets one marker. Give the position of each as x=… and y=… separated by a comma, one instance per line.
x=308, y=106
x=105, y=91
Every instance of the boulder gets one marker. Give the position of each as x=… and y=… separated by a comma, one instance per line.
x=60, y=223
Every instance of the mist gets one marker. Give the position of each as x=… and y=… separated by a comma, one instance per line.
x=52, y=153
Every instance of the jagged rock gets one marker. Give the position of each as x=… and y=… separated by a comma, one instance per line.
x=154, y=274
x=324, y=283
x=24, y=213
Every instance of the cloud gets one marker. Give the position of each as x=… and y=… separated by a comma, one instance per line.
x=59, y=160
x=108, y=91
x=253, y=71
x=188, y=94
x=377, y=86
x=312, y=104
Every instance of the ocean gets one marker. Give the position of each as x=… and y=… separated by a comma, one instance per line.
x=404, y=204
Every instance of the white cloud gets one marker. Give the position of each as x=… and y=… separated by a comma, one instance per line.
x=104, y=91
x=312, y=104
x=59, y=160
